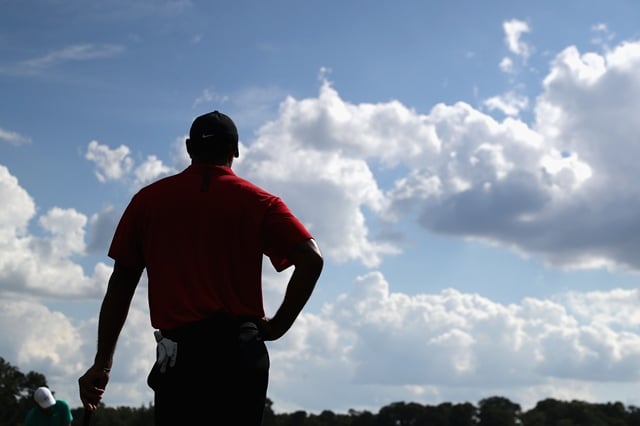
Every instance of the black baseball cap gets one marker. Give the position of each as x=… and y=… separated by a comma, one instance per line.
x=215, y=127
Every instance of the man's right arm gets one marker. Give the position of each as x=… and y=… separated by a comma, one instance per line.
x=308, y=262
x=113, y=313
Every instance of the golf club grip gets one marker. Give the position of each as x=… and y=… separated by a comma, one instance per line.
x=86, y=417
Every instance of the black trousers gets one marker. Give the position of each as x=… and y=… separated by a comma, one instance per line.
x=220, y=376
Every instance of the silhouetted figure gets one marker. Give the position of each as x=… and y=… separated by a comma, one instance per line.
x=201, y=235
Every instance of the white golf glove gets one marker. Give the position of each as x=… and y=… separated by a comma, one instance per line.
x=166, y=351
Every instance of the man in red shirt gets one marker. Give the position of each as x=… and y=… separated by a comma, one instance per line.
x=201, y=235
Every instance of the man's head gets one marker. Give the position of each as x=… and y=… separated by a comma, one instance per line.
x=44, y=398
x=213, y=138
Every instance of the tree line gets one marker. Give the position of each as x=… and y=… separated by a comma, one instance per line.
x=16, y=390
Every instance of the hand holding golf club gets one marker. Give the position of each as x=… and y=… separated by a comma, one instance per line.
x=92, y=385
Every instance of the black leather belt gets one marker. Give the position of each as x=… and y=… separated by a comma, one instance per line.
x=219, y=325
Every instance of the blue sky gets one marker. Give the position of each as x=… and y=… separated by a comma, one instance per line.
x=468, y=169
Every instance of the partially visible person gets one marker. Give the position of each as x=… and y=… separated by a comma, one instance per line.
x=201, y=236
x=48, y=411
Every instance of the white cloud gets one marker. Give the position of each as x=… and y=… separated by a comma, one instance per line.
x=73, y=53
x=562, y=189
x=312, y=133
x=151, y=170
x=346, y=187
x=514, y=29
x=615, y=308
x=67, y=228
x=35, y=270
x=546, y=189
x=14, y=138
x=44, y=341
x=111, y=164
x=573, y=69
x=506, y=65
x=49, y=342
x=589, y=107
x=391, y=346
x=18, y=207
x=510, y=103
x=386, y=132
x=117, y=165
x=42, y=265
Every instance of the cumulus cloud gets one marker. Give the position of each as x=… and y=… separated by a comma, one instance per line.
x=560, y=188
x=117, y=165
x=111, y=164
x=469, y=174
x=315, y=133
x=615, y=308
x=67, y=229
x=342, y=193
x=42, y=266
x=18, y=207
x=392, y=346
x=45, y=341
x=36, y=269
x=386, y=132
x=150, y=170
x=49, y=342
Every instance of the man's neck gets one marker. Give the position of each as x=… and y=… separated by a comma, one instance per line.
x=213, y=163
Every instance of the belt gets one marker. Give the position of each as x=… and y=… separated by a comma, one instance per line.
x=219, y=325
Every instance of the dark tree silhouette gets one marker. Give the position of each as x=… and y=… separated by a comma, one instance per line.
x=16, y=393
x=402, y=414
x=498, y=411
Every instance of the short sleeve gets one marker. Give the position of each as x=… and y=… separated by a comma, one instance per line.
x=68, y=417
x=126, y=246
x=282, y=232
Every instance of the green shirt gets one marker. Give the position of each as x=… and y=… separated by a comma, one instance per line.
x=58, y=415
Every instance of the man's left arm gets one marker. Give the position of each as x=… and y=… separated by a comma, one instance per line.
x=113, y=313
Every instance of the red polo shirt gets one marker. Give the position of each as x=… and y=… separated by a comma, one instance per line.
x=202, y=234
